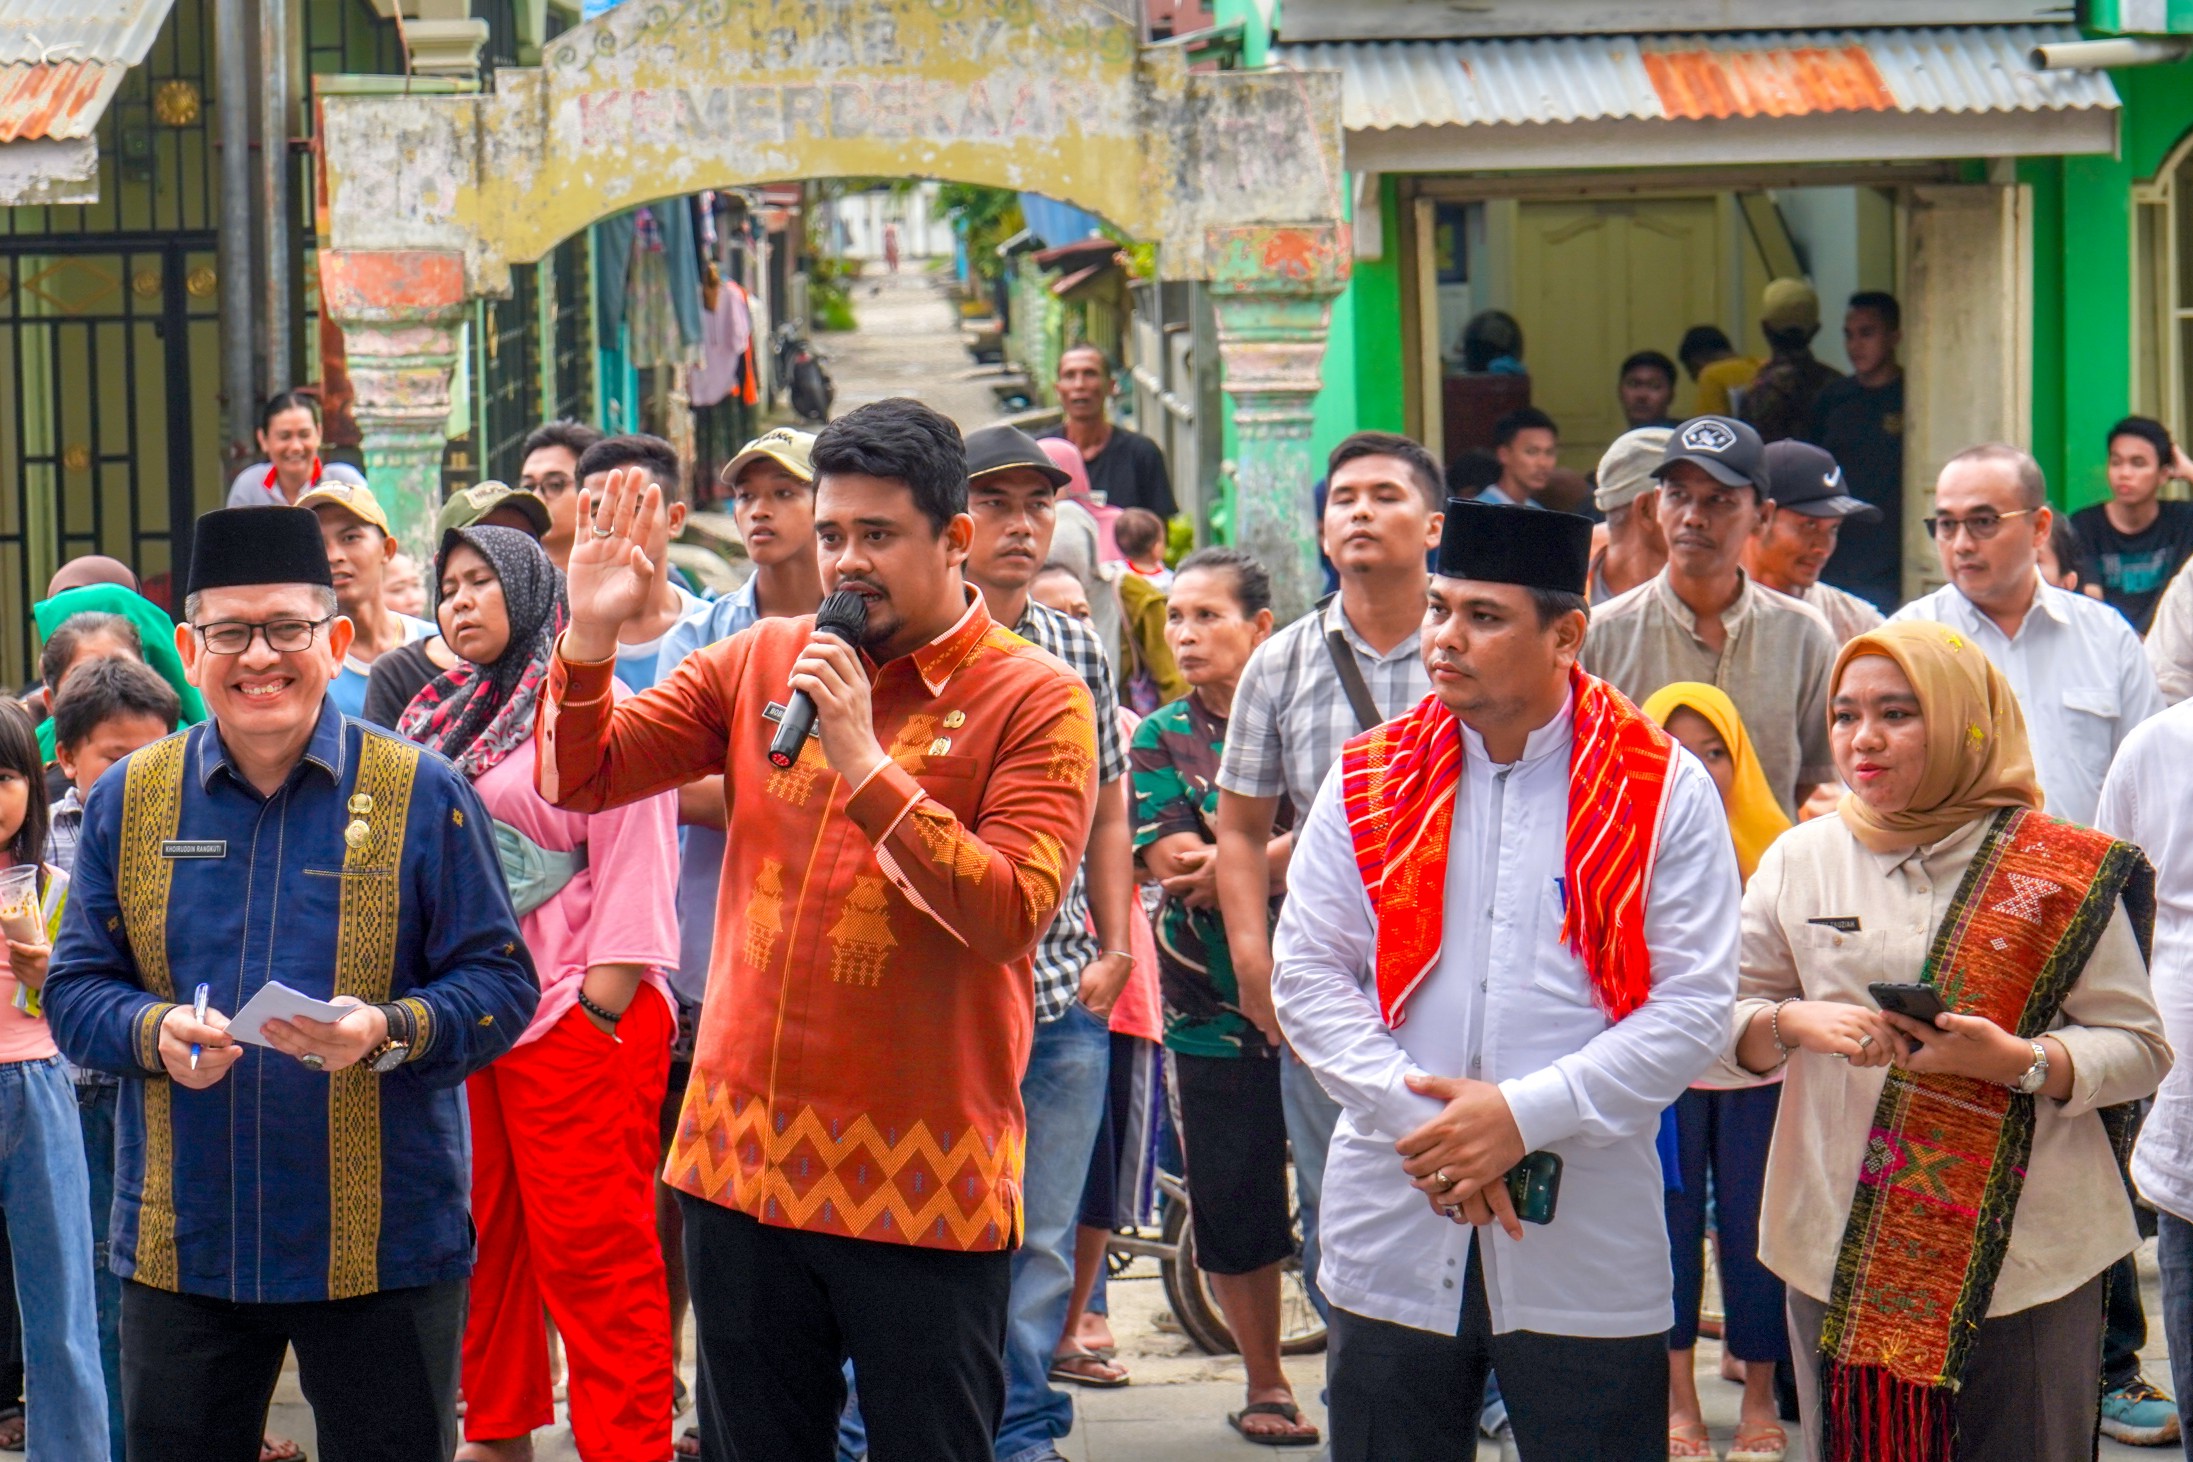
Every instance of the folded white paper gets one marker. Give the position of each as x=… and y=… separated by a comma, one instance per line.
x=277, y=1001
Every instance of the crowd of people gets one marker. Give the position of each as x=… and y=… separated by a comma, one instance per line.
x=455, y=1001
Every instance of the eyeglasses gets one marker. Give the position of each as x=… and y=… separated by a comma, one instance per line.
x=234, y=636
x=552, y=484
x=1982, y=526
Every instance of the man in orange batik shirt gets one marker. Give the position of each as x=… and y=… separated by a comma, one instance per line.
x=849, y=1156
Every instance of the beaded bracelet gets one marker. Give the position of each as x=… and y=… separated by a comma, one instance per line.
x=595, y=1010
x=1774, y=1028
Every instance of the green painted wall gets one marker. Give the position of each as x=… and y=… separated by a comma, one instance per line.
x=1364, y=382
x=2082, y=279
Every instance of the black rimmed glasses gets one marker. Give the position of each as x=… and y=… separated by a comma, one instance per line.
x=1982, y=526
x=283, y=636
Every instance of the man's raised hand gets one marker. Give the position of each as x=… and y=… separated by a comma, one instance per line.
x=609, y=572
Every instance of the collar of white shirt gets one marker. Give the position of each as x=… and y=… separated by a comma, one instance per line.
x=1554, y=736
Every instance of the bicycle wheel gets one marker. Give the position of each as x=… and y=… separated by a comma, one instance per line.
x=1188, y=1289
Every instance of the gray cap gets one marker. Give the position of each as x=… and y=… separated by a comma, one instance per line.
x=1625, y=469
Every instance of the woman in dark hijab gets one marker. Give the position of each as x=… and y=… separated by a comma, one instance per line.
x=564, y=1127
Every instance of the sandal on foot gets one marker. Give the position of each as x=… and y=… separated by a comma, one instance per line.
x=1084, y=1368
x=11, y=1428
x=679, y=1448
x=1690, y=1449
x=1762, y=1443
x=279, y=1449
x=1287, y=1412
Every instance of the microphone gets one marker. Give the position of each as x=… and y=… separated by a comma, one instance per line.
x=844, y=614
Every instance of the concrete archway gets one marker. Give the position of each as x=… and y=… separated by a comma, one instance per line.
x=1236, y=176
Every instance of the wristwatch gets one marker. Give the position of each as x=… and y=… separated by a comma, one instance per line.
x=396, y=1049
x=2036, y=1075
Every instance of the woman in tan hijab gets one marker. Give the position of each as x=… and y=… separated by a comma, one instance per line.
x=1941, y=1196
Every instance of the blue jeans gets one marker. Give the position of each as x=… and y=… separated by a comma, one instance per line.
x=1311, y=1116
x=1064, y=1092
x=2174, y=1256
x=47, y=1199
x=95, y=1107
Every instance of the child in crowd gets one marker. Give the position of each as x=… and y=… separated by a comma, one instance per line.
x=106, y=710
x=1140, y=535
x=45, y=1192
x=1723, y=1129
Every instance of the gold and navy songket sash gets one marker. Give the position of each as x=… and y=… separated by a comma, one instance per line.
x=1946, y=1156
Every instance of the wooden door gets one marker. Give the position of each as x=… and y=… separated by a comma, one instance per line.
x=1596, y=280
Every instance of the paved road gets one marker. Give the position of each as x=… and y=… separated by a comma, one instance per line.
x=907, y=344
x=1175, y=1410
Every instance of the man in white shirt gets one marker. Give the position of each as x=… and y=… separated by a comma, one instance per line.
x=2080, y=674
x=2143, y=802
x=1583, y=980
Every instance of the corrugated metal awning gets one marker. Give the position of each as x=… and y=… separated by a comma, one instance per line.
x=61, y=61
x=1849, y=95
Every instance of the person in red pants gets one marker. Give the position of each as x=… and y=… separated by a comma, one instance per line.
x=564, y=1140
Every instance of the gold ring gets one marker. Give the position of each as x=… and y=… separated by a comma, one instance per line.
x=1444, y=1180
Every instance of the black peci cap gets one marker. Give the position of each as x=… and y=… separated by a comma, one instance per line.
x=1496, y=543
x=242, y=547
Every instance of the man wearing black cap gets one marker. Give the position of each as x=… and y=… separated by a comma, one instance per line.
x=305, y=1187
x=1702, y=617
x=1555, y=984
x=1808, y=507
x=1011, y=490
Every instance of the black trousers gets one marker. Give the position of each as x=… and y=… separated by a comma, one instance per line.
x=380, y=1372
x=1399, y=1394
x=777, y=1312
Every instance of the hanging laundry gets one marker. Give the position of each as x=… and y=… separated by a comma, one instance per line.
x=726, y=337
x=663, y=293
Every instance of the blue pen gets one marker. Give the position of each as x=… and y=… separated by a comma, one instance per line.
x=198, y=1009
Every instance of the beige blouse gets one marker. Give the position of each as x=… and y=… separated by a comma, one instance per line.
x=2073, y=1218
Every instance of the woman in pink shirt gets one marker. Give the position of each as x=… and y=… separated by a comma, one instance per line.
x=45, y=1187
x=564, y=1127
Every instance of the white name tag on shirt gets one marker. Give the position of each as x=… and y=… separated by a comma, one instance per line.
x=194, y=848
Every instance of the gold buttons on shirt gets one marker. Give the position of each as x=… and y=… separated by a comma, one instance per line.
x=356, y=834
x=953, y=720
x=361, y=804
x=940, y=746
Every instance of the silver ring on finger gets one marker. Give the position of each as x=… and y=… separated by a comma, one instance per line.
x=1864, y=1041
x=1452, y=1211
x=312, y=1062
x=601, y=532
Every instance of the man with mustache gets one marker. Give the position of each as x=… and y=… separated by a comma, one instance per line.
x=1808, y=506
x=1011, y=487
x=1703, y=618
x=1477, y=974
x=849, y=1158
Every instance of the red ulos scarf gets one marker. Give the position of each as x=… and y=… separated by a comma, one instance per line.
x=1398, y=783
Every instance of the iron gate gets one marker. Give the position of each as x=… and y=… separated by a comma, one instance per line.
x=101, y=340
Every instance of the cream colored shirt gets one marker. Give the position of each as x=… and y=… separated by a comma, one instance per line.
x=2073, y=1219
x=1847, y=615
x=1774, y=666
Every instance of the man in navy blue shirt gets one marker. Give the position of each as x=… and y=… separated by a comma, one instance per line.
x=308, y=1192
